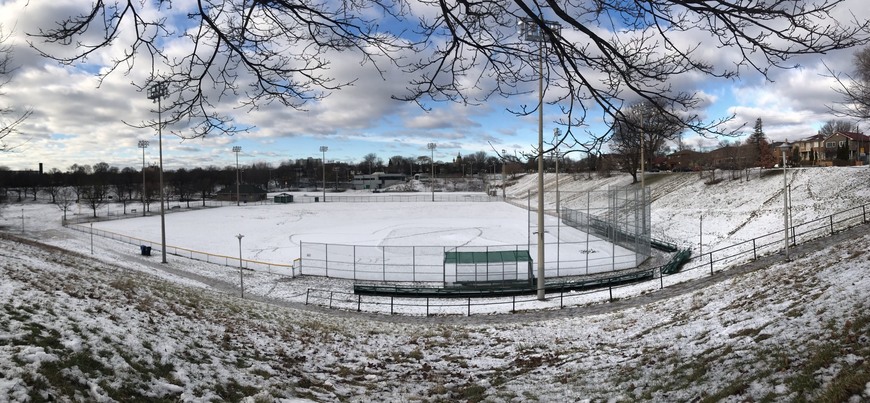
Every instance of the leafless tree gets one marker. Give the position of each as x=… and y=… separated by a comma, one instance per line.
x=834, y=126
x=608, y=54
x=10, y=119
x=854, y=88
x=643, y=126
x=65, y=198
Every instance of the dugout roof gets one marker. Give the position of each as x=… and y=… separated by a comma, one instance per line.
x=487, y=257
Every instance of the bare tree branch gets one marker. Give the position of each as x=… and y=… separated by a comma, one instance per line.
x=610, y=53
x=10, y=120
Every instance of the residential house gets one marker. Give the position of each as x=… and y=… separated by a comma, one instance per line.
x=811, y=150
x=856, y=145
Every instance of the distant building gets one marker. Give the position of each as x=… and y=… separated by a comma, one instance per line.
x=377, y=180
x=247, y=193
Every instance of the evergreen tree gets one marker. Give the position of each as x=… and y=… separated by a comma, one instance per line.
x=758, y=134
x=843, y=152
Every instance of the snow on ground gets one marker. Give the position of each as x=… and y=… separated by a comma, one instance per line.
x=273, y=233
x=118, y=326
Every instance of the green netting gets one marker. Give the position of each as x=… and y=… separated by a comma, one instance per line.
x=487, y=257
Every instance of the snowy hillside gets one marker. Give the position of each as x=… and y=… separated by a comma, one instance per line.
x=112, y=326
x=733, y=210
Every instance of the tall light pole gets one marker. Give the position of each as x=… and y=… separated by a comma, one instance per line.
x=432, y=147
x=143, y=144
x=156, y=92
x=642, y=151
x=323, y=150
x=784, y=147
x=241, y=278
x=237, y=150
x=531, y=31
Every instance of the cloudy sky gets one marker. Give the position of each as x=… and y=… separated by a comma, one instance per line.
x=77, y=119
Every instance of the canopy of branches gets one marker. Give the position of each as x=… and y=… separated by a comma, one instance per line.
x=595, y=57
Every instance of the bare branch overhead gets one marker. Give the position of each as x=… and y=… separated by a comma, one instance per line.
x=609, y=53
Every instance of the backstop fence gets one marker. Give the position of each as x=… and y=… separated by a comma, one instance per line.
x=625, y=222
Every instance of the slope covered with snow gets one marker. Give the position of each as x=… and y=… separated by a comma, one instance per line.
x=107, y=326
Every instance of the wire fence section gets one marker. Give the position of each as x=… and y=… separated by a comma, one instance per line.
x=226, y=260
x=426, y=263
x=394, y=197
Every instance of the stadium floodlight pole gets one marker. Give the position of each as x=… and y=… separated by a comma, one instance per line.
x=237, y=150
x=642, y=135
x=323, y=150
x=531, y=31
x=241, y=278
x=431, y=147
x=143, y=144
x=784, y=148
x=157, y=92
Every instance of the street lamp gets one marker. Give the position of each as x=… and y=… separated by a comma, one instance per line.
x=432, y=147
x=241, y=278
x=531, y=31
x=157, y=92
x=143, y=144
x=323, y=150
x=237, y=150
x=784, y=148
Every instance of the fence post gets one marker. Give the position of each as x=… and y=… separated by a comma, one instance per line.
x=832, y=223
x=561, y=298
x=427, y=306
x=711, y=263
x=307, y=290
x=661, y=279
x=358, y=302
x=391, y=305
x=469, y=306
x=754, y=251
x=330, y=299
x=326, y=259
x=610, y=288
x=300, y=258
x=514, y=304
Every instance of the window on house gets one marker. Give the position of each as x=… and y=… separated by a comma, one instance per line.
x=842, y=143
x=830, y=144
